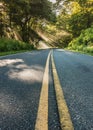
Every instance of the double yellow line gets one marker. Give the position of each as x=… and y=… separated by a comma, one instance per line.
x=42, y=116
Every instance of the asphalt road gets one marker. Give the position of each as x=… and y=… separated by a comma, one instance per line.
x=76, y=76
x=20, y=85
x=21, y=78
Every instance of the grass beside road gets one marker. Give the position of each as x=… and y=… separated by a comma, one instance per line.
x=11, y=46
x=82, y=52
x=12, y=52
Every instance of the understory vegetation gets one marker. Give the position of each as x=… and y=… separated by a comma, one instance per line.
x=84, y=42
x=13, y=45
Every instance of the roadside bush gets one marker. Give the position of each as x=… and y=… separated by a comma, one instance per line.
x=14, y=45
x=84, y=42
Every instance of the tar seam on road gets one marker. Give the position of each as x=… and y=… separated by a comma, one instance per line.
x=64, y=115
x=42, y=115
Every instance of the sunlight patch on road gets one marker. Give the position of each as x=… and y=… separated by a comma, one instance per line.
x=6, y=62
x=18, y=70
x=26, y=73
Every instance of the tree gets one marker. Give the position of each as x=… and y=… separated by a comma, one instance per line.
x=75, y=15
x=3, y=18
x=81, y=17
x=23, y=13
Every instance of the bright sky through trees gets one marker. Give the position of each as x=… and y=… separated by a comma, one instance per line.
x=53, y=1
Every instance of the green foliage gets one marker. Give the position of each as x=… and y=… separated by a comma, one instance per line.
x=13, y=45
x=12, y=52
x=62, y=21
x=51, y=29
x=75, y=16
x=79, y=22
x=25, y=16
x=84, y=42
x=63, y=41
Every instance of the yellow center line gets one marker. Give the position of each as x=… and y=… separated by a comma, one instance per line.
x=42, y=115
x=64, y=115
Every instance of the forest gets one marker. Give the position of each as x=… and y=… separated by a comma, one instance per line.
x=66, y=23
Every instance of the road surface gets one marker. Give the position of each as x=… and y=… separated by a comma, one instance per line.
x=28, y=99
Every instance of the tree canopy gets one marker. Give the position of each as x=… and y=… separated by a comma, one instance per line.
x=24, y=13
x=75, y=15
